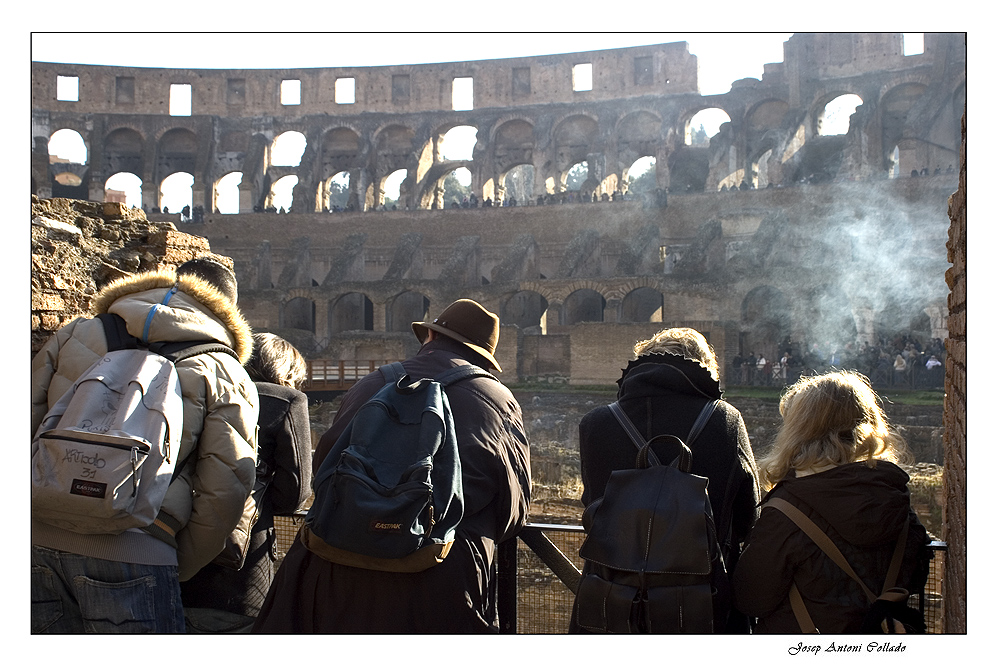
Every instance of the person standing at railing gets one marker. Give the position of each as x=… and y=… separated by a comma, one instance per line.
x=834, y=460
x=458, y=595
x=219, y=599
x=663, y=391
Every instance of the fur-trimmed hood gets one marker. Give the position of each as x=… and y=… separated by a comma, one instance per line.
x=196, y=311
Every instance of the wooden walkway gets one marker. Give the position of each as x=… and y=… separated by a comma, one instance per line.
x=334, y=375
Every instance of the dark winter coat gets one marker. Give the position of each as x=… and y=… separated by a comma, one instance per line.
x=664, y=394
x=862, y=510
x=459, y=595
x=285, y=454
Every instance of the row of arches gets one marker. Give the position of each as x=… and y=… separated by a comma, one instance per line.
x=455, y=162
x=766, y=317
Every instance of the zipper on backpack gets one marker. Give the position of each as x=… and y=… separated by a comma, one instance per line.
x=141, y=447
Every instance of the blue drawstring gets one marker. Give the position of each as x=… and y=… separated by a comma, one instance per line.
x=152, y=311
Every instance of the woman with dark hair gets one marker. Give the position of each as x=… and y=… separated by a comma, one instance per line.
x=674, y=375
x=219, y=599
x=833, y=460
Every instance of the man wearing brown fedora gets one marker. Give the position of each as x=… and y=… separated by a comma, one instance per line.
x=459, y=595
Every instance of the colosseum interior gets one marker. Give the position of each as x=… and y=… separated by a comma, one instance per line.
x=770, y=235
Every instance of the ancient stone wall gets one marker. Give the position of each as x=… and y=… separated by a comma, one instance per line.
x=77, y=247
x=526, y=112
x=955, y=417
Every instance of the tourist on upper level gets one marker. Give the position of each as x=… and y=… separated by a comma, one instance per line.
x=662, y=391
x=834, y=459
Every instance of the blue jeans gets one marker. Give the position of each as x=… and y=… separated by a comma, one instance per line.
x=71, y=593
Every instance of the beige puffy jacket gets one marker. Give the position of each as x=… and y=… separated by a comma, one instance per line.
x=220, y=401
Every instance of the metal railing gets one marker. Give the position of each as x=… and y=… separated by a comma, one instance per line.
x=539, y=571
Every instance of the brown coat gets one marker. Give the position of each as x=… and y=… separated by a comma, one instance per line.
x=862, y=510
x=311, y=595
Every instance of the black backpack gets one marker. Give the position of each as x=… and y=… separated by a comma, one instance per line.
x=654, y=564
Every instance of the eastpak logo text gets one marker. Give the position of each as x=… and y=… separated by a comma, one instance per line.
x=388, y=527
x=95, y=490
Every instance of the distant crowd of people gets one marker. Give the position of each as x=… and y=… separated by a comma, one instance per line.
x=901, y=361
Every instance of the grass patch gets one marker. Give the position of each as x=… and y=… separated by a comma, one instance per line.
x=913, y=397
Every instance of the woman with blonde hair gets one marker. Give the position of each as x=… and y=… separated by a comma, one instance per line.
x=673, y=378
x=835, y=461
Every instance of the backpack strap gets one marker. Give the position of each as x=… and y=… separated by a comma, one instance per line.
x=176, y=351
x=118, y=338
x=462, y=372
x=702, y=420
x=627, y=425
x=116, y=332
x=392, y=372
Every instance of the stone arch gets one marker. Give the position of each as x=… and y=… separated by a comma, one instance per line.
x=643, y=304
x=176, y=151
x=286, y=143
x=123, y=151
x=340, y=150
x=512, y=143
x=823, y=99
x=128, y=183
x=406, y=308
x=638, y=134
x=298, y=312
x=394, y=147
x=352, y=311
x=525, y=308
x=226, y=193
x=583, y=305
x=574, y=137
x=68, y=135
x=894, y=106
x=685, y=121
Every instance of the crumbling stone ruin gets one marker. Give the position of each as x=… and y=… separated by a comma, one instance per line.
x=77, y=247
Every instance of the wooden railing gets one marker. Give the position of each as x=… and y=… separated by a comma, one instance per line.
x=334, y=375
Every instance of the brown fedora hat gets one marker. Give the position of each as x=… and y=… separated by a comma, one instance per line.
x=469, y=323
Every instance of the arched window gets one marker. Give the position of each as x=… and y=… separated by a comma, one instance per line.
x=641, y=176
x=351, y=312
x=835, y=118
x=643, y=305
x=281, y=192
x=227, y=193
x=457, y=143
x=67, y=146
x=127, y=183
x=407, y=308
x=584, y=305
x=287, y=149
x=176, y=192
x=704, y=125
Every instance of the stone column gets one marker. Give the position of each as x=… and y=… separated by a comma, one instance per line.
x=322, y=320
x=613, y=310
x=553, y=316
x=380, y=316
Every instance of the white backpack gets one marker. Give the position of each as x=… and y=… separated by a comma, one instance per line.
x=105, y=453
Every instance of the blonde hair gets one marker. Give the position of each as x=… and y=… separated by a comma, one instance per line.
x=830, y=420
x=275, y=360
x=682, y=341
